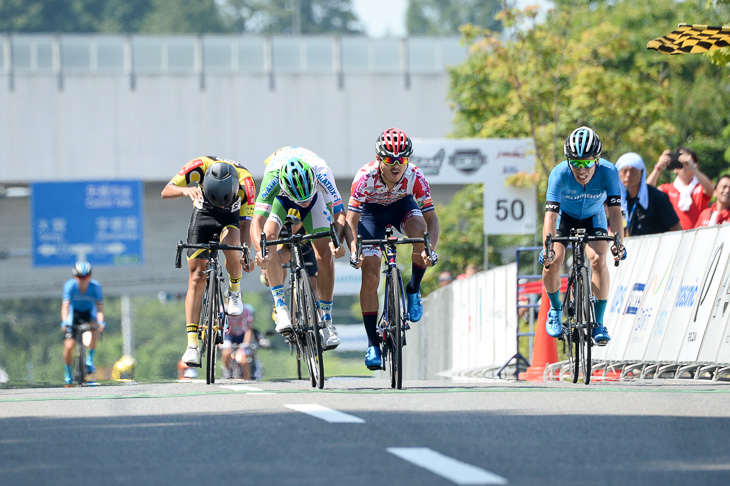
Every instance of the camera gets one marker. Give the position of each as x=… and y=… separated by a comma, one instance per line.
x=675, y=163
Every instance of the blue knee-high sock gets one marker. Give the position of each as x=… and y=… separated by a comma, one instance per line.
x=417, y=273
x=555, y=300
x=600, y=310
x=370, y=319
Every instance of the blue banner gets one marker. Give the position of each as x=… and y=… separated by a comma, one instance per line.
x=98, y=221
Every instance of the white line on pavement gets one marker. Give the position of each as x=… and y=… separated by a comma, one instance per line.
x=455, y=471
x=324, y=413
x=241, y=388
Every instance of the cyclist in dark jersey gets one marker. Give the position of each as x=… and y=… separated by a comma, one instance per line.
x=223, y=194
x=577, y=190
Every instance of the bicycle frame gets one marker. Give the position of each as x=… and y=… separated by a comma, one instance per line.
x=213, y=321
x=79, y=371
x=578, y=302
x=392, y=324
x=304, y=310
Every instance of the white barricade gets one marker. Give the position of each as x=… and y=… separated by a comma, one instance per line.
x=668, y=311
x=481, y=324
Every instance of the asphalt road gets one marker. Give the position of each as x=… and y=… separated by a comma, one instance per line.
x=358, y=431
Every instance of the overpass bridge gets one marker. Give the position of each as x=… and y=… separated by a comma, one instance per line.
x=88, y=107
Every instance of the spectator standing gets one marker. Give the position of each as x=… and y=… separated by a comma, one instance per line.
x=470, y=270
x=445, y=278
x=718, y=213
x=691, y=190
x=646, y=210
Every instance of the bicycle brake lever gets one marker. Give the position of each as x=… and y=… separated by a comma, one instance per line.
x=178, y=255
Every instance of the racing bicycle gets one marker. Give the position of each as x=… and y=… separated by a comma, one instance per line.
x=578, y=304
x=80, y=372
x=393, y=321
x=213, y=323
x=303, y=309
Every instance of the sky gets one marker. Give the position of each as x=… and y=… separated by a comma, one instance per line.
x=387, y=18
x=382, y=18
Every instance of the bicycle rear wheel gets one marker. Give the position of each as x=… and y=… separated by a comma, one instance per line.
x=396, y=327
x=586, y=324
x=310, y=323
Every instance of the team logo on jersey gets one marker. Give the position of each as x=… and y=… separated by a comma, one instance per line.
x=429, y=165
x=467, y=161
x=273, y=184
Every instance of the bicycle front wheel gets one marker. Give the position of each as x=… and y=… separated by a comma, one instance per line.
x=310, y=321
x=572, y=336
x=585, y=327
x=211, y=314
x=80, y=367
x=396, y=327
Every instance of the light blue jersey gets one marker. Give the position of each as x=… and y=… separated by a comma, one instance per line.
x=85, y=302
x=566, y=195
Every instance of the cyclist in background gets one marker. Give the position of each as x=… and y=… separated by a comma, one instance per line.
x=297, y=181
x=389, y=191
x=577, y=190
x=240, y=331
x=223, y=194
x=83, y=302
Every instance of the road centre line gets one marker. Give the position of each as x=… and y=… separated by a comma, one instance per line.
x=455, y=471
x=326, y=414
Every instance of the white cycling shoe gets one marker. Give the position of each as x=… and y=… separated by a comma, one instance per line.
x=235, y=306
x=191, y=356
x=283, y=323
x=330, y=339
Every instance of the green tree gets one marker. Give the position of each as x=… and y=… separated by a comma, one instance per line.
x=294, y=16
x=445, y=17
x=587, y=64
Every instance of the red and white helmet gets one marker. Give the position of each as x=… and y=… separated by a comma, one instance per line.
x=393, y=142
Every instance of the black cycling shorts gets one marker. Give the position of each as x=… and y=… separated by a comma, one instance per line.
x=206, y=225
x=592, y=225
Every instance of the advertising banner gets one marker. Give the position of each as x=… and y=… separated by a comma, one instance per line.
x=508, y=210
x=656, y=284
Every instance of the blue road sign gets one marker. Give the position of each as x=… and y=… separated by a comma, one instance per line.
x=98, y=221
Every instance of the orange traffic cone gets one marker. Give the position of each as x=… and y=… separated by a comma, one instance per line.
x=545, y=348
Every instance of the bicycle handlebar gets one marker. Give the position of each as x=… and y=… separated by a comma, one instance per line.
x=393, y=240
x=581, y=238
x=299, y=239
x=212, y=246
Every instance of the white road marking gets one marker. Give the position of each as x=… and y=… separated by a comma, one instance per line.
x=324, y=413
x=455, y=471
x=241, y=388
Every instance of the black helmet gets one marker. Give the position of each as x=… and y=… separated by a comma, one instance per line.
x=583, y=143
x=81, y=269
x=393, y=142
x=220, y=185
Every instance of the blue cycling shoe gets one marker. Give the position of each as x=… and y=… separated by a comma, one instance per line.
x=67, y=376
x=90, y=368
x=600, y=335
x=373, y=358
x=554, y=323
x=415, y=307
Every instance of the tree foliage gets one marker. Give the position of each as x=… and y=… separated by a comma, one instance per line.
x=445, y=17
x=587, y=64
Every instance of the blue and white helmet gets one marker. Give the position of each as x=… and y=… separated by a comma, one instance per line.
x=583, y=143
x=81, y=269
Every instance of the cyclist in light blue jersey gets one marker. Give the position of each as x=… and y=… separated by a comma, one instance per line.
x=577, y=190
x=82, y=303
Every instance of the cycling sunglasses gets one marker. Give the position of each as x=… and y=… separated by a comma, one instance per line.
x=582, y=163
x=394, y=160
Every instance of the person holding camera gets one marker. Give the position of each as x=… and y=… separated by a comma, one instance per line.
x=691, y=190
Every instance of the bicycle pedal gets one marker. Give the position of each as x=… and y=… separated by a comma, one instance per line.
x=600, y=343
